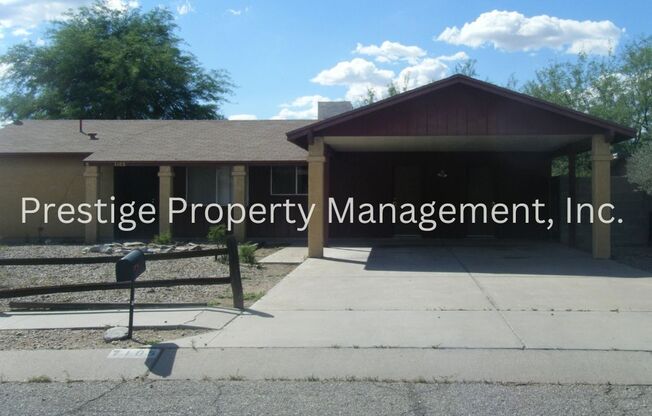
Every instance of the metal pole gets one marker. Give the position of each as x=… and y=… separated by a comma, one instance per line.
x=131, y=309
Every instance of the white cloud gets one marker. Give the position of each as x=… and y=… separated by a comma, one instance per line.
x=237, y=12
x=428, y=70
x=21, y=32
x=358, y=75
x=357, y=70
x=391, y=51
x=303, y=108
x=20, y=16
x=23, y=15
x=40, y=42
x=243, y=117
x=512, y=31
x=185, y=8
x=121, y=5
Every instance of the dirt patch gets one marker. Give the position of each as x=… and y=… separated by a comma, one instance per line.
x=68, y=339
x=256, y=279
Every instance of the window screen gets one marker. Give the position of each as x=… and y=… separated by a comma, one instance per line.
x=224, y=185
x=283, y=180
x=302, y=179
x=207, y=185
x=201, y=185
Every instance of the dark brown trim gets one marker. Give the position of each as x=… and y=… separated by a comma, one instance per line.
x=619, y=132
x=23, y=154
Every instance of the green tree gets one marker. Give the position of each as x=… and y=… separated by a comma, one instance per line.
x=369, y=98
x=639, y=168
x=107, y=64
x=466, y=67
x=617, y=88
x=393, y=88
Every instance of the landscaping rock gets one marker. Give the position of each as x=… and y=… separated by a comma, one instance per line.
x=134, y=244
x=106, y=249
x=117, y=333
x=92, y=249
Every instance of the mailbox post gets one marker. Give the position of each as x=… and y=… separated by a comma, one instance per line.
x=127, y=269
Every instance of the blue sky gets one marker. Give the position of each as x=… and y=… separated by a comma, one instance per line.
x=286, y=55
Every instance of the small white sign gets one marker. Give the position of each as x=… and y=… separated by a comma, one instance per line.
x=135, y=353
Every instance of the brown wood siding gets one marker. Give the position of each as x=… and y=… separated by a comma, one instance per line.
x=369, y=178
x=460, y=110
x=260, y=192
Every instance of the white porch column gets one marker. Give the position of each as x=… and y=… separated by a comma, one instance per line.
x=601, y=194
x=239, y=175
x=316, y=196
x=92, y=194
x=166, y=191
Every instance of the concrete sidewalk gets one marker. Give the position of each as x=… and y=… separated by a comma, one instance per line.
x=210, y=318
x=399, y=364
x=287, y=255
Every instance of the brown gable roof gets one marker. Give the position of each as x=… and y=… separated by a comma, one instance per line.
x=342, y=124
x=151, y=141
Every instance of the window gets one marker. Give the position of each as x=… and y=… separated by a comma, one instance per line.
x=207, y=185
x=289, y=180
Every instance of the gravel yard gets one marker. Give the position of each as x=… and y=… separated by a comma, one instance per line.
x=256, y=279
x=67, y=339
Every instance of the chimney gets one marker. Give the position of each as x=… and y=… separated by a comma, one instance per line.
x=327, y=109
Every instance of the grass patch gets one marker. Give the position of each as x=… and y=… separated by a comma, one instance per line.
x=40, y=379
x=253, y=296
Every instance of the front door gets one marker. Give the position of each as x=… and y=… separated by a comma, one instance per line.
x=480, y=189
x=137, y=184
x=407, y=189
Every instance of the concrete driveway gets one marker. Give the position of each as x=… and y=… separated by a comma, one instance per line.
x=484, y=296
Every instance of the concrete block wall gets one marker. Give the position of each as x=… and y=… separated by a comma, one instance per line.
x=633, y=206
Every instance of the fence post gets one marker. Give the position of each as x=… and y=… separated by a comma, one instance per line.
x=234, y=272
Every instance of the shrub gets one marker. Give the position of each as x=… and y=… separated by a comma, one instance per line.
x=217, y=235
x=247, y=253
x=163, y=238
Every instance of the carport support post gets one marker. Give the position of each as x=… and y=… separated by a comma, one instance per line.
x=92, y=191
x=166, y=191
x=572, y=196
x=601, y=194
x=316, y=196
x=239, y=175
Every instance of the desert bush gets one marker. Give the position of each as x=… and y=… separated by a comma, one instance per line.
x=217, y=235
x=163, y=238
x=247, y=253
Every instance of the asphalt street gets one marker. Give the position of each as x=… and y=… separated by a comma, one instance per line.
x=210, y=397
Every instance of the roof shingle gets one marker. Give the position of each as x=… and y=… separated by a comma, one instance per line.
x=158, y=140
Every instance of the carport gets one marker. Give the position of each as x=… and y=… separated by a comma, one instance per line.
x=455, y=140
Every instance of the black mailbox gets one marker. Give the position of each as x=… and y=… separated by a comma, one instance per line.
x=128, y=268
